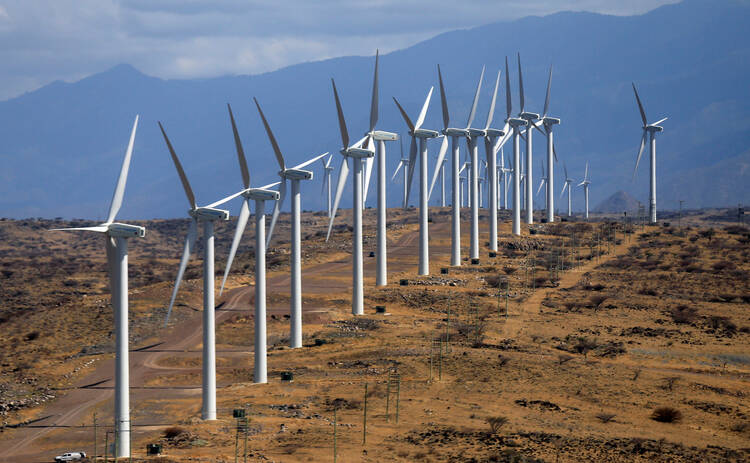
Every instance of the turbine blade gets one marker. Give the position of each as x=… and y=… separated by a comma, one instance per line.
x=412, y=162
x=369, y=162
x=540, y=187
x=549, y=87
x=112, y=266
x=491, y=112
x=440, y=159
x=270, y=185
x=271, y=138
x=276, y=211
x=241, y=222
x=476, y=100
x=640, y=106
x=343, y=174
x=565, y=185
x=660, y=121
x=520, y=82
x=508, y=100
x=309, y=161
x=240, y=151
x=640, y=152
x=404, y=115
x=114, y=208
x=398, y=168
x=342, y=122
x=328, y=161
x=423, y=113
x=224, y=200
x=554, y=151
x=192, y=234
x=97, y=228
x=326, y=179
x=443, y=100
x=180, y=171
x=565, y=168
x=374, y=104
x=586, y=173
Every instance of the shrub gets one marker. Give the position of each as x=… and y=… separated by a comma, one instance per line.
x=683, y=314
x=509, y=270
x=666, y=415
x=605, y=417
x=494, y=281
x=173, y=431
x=563, y=358
x=496, y=422
x=597, y=301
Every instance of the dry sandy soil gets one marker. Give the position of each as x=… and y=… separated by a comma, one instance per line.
x=619, y=343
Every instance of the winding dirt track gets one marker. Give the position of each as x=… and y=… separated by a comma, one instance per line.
x=75, y=408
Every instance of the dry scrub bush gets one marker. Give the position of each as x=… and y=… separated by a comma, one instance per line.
x=597, y=301
x=605, y=417
x=683, y=314
x=666, y=415
x=496, y=422
x=173, y=431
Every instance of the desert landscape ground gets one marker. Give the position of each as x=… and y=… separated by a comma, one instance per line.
x=605, y=340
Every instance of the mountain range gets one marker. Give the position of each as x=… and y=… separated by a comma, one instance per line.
x=62, y=145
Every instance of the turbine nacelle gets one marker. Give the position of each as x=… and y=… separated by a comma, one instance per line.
x=360, y=153
x=529, y=116
x=550, y=121
x=425, y=133
x=494, y=132
x=296, y=174
x=123, y=230
x=654, y=128
x=453, y=132
x=209, y=214
x=516, y=122
x=380, y=135
x=261, y=194
x=476, y=133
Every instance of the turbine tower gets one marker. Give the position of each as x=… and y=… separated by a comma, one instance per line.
x=260, y=196
x=379, y=136
x=651, y=130
x=491, y=138
x=456, y=189
x=547, y=124
x=568, y=181
x=207, y=216
x=357, y=153
x=403, y=162
x=416, y=131
x=585, y=184
x=544, y=182
x=529, y=117
x=116, y=236
x=295, y=175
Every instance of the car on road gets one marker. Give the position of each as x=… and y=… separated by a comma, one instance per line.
x=70, y=456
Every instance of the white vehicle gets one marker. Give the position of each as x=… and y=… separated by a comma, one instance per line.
x=70, y=456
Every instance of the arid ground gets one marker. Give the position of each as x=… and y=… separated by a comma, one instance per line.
x=579, y=341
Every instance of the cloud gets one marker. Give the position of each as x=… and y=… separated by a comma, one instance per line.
x=47, y=40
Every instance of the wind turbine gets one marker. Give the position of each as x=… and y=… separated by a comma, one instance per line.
x=651, y=130
x=547, y=124
x=529, y=117
x=403, y=162
x=504, y=171
x=471, y=141
x=482, y=181
x=516, y=124
x=463, y=182
x=544, y=182
x=295, y=175
x=381, y=272
x=260, y=196
x=416, y=131
x=327, y=170
x=207, y=216
x=116, y=236
x=357, y=153
x=568, y=181
x=491, y=138
x=585, y=184
x=457, y=200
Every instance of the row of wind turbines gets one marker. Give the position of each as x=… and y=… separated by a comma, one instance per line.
x=359, y=157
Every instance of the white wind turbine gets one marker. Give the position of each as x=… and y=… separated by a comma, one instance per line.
x=529, y=118
x=416, y=131
x=585, y=184
x=456, y=188
x=504, y=175
x=493, y=138
x=544, y=182
x=295, y=175
x=116, y=236
x=463, y=184
x=357, y=153
x=327, y=170
x=260, y=196
x=471, y=141
x=379, y=136
x=207, y=216
x=515, y=124
x=651, y=130
x=402, y=163
x=547, y=124
x=568, y=181
x=482, y=182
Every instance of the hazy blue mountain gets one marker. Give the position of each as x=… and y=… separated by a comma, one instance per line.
x=62, y=145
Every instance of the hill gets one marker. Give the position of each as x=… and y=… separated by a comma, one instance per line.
x=62, y=144
x=618, y=203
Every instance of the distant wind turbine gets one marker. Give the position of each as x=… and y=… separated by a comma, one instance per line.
x=651, y=130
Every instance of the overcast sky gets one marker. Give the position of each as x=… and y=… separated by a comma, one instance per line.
x=46, y=40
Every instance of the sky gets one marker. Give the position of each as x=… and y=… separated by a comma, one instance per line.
x=46, y=40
